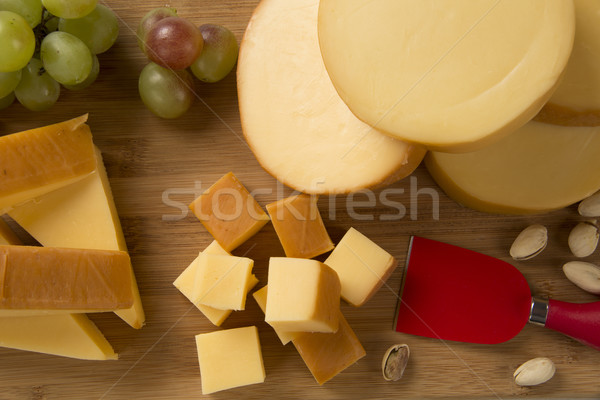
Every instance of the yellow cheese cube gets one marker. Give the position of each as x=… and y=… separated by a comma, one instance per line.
x=229, y=358
x=362, y=266
x=40, y=160
x=261, y=298
x=303, y=295
x=81, y=215
x=185, y=284
x=222, y=281
x=328, y=354
x=299, y=226
x=68, y=335
x=229, y=212
x=65, y=280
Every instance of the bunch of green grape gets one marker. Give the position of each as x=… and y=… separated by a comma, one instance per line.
x=175, y=46
x=46, y=44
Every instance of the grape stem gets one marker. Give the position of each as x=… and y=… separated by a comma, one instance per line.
x=41, y=30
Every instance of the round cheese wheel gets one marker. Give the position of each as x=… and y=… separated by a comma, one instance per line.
x=299, y=129
x=452, y=74
x=576, y=101
x=538, y=168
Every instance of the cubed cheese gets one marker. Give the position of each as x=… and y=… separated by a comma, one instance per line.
x=363, y=266
x=303, y=295
x=299, y=226
x=222, y=281
x=261, y=299
x=229, y=358
x=64, y=280
x=328, y=354
x=229, y=212
x=37, y=161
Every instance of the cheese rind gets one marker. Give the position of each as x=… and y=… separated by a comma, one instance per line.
x=297, y=126
x=222, y=281
x=230, y=358
x=261, y=299
x=299, y=226
x=37, y=161
x=453, y=75
x=81, y=215
x=229, y=212
x=576, y=101
x=538, y=168
x=363, y=267
x=328, y=354
x=303, y=296
x=48, y=278
x=69, y=335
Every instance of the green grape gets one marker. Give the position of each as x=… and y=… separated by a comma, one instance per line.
x=66, y=58
x=167, y=93
x=218, y=56
x=52, y=24
x=31, y=10
x=9, y=81
x=70, y=8
x=98, y=30
x=37, y=91
x=7, y=100
x=91, y=77
x=17, y=42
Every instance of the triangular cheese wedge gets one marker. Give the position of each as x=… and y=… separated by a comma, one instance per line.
x=67, y=335
x=81, y=215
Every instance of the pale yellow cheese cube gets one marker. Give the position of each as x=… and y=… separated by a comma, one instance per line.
x=185, y=284
x=222, y=281
x=303, y=296
x=261, y=298
x=230, y=358
x=362, y=266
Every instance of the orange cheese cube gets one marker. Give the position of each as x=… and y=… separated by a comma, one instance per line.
x=299, y=226
x=362, y=266
x=34, y=279
x=303, y=295
x=37, y=161
x=328, y=354
x=229, y=358
x=229, y=212
x=261, y=299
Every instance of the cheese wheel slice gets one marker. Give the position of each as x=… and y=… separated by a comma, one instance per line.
x=538, y=168
x=576, y=101
x=450, y=74
x=292, y=118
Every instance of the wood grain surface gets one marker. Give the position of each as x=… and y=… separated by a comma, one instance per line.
x=157, y=167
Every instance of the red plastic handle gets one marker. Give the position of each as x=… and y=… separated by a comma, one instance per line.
x=579, y=321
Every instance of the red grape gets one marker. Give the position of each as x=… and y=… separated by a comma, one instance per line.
x=174, y=43
x=152, y=17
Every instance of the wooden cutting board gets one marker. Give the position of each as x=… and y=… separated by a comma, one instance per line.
x=157, y=167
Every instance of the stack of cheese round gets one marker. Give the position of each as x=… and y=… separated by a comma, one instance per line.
x=299, y=129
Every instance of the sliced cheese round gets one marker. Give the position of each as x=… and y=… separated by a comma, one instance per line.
x=453, y=74
x=538, y=168
x=299, y=129
x=576, y=101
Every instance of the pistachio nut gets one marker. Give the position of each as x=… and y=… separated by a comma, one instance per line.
x=583, y=239
x=530, y=242
x=534, y=372
x=590, y=207
x=394, y=362
x=583, y=274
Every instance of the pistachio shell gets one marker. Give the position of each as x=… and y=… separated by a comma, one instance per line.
x=530, y=242
x=590, y=207
x=583, y=239
x=394, y=362
x=583, y=274
x=534, y=372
